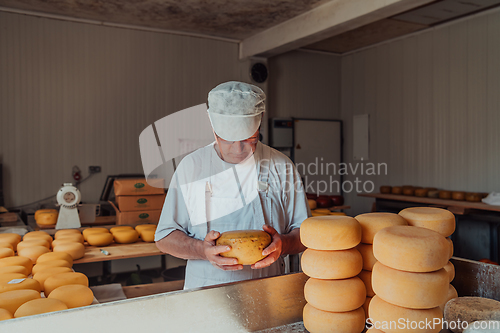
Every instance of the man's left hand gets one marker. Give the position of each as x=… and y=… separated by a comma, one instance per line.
x=273, y=251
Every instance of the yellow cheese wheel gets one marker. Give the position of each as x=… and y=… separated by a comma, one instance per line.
x=11, y=238
x=6, y=277
x=411, y=249
x=74, y=249
x=141, y=227
x=11, y=300
x=64, y=240
x=24, y=284
x=55, y=256
x=36, y=234
x=437, y=219
x=71, y=238
x=100, y=238
x=450, y=269
x=88, y=231
x=44, y=274
x=5, y=314
x=33, y=252
x=366, y=277
x=330, y=233
x=73, y=295
x=246, y=245
x=335, y=295
x=366, y=305
x=315, y=214
x=450, y=242
x=409, y=289
x=33, y=242
x=14, y=269
x=52, y=263
x=387, y=317
x=38, y=306
x=148, y=235
x=62, y=279
x=126, y=236
x=6, y=252
x=64, y=232
x=120, y=228
x=325, y=211
x=40, y=211
x=318, y=321
x=452, y=293
x=312, y=204
x=341, y=264
x=6, y=245
x=17, y=261
x=47, y=218
x=369, y=259
x=371, y=223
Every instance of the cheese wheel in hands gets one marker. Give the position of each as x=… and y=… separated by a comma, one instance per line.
x=17, y=261
x=64, y=232
x=32, y=242
x=24, y=284
x=38, y=306
x=6, y=252
x=88, y=231
x=369, y=259
x=53, y=263
x=126, y=236
x=409, y=289
x=73, y=295
x=74, y=249
x=55, y=256
x=371, y=223
x=100, y=238
x=318, y=321
x=44, y=274
x=64, y=279
x=33, y=252
x=388, y=317
x=330, y=233
x=411, y=249
x=246, y=245
x=341, y=264
x=12, y=300
x=5, y=314
x=450, y=269
x=452, y=293
x=11, y=238
x=437, y=219
x=335, y=295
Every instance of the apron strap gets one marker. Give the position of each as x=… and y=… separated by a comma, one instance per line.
x=262, y=185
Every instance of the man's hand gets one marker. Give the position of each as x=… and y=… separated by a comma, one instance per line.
x=273, y=251
x=212, y=253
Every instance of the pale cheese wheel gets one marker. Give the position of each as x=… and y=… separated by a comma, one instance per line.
x=52, y=263
x=452, y=293
x=330, y=233
x=6, y=252
x=386, y=316
x=32, y=242
x=11, y=238
x=369, y=259
x=371, y=223
x=100, y=238
x=22, y=284
x=366, y=277
x=6, y=245
x=411, y=249
x=71, y=238
x=318, y=321
x=470, y=309
x=63, y=279
x=17, y=261
x=40, y=211
x=12, y=300
x=366, y=305
x=48, y=218
x=6, y=277
x=64, y=232
x=38, y=306
x=437, y=219
x=335, y=295
x=120, y=228
x=55, y=256
x=483, y=326
x=139, y=228
x=33, y=252
x=14, y=269
x=409, y=289
x=73, y=295
x=148, y=235
x=450, y=269
x=44, y=274
x=88, y=231
x=38, y=235
x=126, y=236
x=312, y=204
x=74, y=249
x=450, y=242
x=5, y=314
x=341, y=264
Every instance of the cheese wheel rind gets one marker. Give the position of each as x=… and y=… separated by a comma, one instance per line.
x=63, y=232
x=11, y=238
x=450, y=269
x=316, y=320
x=335, y=295
x=6, y=252
x=366, y=305
x=71, y=237
x=340, y=264
x=17, y=261
x=148, y=236
x=369, y=259
x=73, y=295
x=371, y=223
x=5, y=314
x=55, y=256
x=87, y=231
x=366, y=277
x=38, y=306
x=33, y=252
x=63, y=279
x=470, y=309
x=12, y=300
x=25, y=284
x=44, y=274
x=74, y=249
x=330, y=233
x=32, y=242
x=437, y=219
x=452, y=293
x=53, y=263
x=99, y=239
x=14, y=269
x=125, y=236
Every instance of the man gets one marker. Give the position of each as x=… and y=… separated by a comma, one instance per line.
x=235, y=183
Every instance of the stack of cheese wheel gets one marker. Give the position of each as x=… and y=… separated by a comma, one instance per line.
x=124, y=234
x=146, y=232
x=408, y=278
x=371, y=223
x=97, y=236
x=334, y=294
x=69, y=241
x=34, y=244
x=441, y=221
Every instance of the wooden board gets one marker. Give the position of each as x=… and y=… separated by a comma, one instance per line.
x=119, y=251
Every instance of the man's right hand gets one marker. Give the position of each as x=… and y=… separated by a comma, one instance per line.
x=212, y=253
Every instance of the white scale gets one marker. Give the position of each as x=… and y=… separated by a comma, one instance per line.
x=68, y=198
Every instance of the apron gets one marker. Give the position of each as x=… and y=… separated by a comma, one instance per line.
x=246, y=212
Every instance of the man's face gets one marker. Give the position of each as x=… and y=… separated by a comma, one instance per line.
x=237, y=151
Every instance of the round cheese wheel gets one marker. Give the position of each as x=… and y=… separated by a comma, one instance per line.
x=433, y=194
x=366, y=277
x=246, y=245
x=408, y=191
x=40, y=211
x=5, y=245
x=33, y=252
x=6, y=252
x=37, y=234
x=53, y=263
x=341, y=264
x=64, y=240
x=14, y=269
x=24, y=284
x=450, y=242
x=483, y=326
x=421, y=192
x=6, y=277
x=100, y=238
x=148, y=235
x=126, y=236
x=312, y=204
x=450, y=269
x=371, y=223
x=335, y=295
x=397, y=190
x=17, y=261
x=458, y=195
x=446, y=195
x=73, y=295
x=38, y=306
x=11, y=238
x=316, y=320
x=62, y=279
x=411, y=249
x=32, y=242
x=120, y=228
x=409, y=289
x=366, y=305
x=88, y=231
x=470, y=309
x=47, y=218
x=369, y=259
x=437, y=219
x=139, y=228
x=315, y=214
x=44, y=274
x=5, y=314
x=385, y=189
x=71, y=238
x=387, y=317
x=452, y=293
x=75, y=250
x=11, y=300
x=64, y=232
x=330, y=233
x=55, y=256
